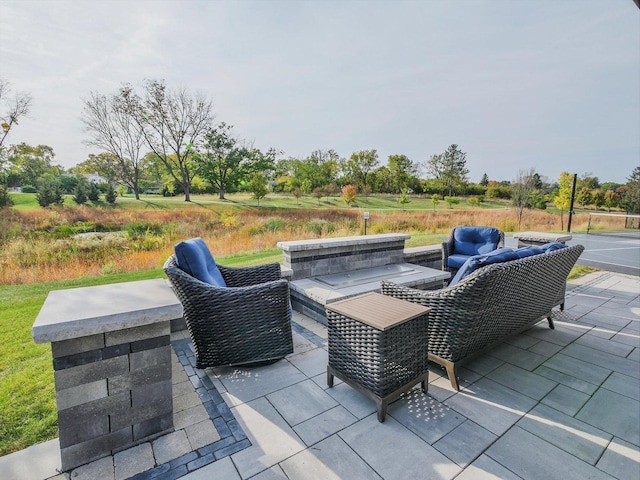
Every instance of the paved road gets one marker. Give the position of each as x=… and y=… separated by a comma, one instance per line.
x=615, y=252
x=619, y=252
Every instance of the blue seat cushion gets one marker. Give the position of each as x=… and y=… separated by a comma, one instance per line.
x=475, y=240
x=193, y=257
x=477, y=261
x=457, y=260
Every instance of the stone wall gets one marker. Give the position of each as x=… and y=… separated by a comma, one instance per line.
x=113, y=390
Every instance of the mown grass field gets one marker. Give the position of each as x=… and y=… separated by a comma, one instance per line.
x=40, y=251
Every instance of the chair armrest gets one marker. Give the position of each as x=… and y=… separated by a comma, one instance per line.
x=501, y=239
x=245, y=276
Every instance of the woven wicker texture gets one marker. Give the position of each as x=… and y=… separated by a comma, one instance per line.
x=249, y=321
x=380, y=361
x=492, y=303
x=447, y=249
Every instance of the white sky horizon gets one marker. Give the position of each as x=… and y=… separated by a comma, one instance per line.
x=549, y=85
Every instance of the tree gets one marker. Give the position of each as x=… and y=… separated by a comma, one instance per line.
x=484, y=181
x=32, y=163
x=5, y=198
x=111, y=195
x=631, y=198
x=449, y=169
x=297, y=193
x=16, y=107
x=562, y=200
x=172, y=122
x=258, y=187
x=318, y=193
x=94, y=192
x=611, y=200
x=49, y=192
x=521, y=189
x=81, y=193
x=223, y=159
x=583, y=197
x=359, y=165
x=435, y=198
x=597, y=198
x=402, y=169
x=113, y=129
x=349, y=194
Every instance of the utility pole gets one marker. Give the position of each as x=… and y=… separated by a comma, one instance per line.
x=573, y=196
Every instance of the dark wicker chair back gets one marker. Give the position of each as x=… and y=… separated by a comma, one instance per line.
x=248, y=322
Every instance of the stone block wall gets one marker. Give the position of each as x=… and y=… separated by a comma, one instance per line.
x=312, y=258
x=113, y=390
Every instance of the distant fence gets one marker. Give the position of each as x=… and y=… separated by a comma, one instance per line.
x=630, y=221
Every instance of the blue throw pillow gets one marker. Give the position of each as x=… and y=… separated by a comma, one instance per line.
x=193, y=256
x=550, y=247
x=477, y=261
x=475, y=240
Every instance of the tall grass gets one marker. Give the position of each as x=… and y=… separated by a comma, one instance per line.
x=38, y=245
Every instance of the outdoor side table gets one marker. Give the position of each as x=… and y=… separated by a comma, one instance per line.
x=378, y=345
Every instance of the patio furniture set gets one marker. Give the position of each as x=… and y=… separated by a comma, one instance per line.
x=379, y=343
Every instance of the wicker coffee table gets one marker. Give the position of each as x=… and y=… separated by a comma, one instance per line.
x=378, y=345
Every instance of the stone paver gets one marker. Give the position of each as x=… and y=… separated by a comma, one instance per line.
x=613, y=413
x=621, y=459
x=530, y=457
x=134, y=460
x=561, y=403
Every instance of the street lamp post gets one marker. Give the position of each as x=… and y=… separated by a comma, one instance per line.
x=366, y=217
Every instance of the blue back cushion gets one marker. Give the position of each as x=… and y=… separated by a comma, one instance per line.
x=193, y=257
x=528, y=251
x=477, y=261
x=475, y=240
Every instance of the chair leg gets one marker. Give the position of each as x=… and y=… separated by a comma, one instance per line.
x=550, y=320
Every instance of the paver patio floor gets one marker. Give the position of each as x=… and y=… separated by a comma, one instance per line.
x=561, y=403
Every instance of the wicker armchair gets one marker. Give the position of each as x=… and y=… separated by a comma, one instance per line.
x=481, y=233
x=247, y=322
x=490, y=304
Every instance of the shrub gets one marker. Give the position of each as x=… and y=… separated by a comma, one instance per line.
x=141, y=229
x=29, y=189
x=5, y=198
x=48, y=194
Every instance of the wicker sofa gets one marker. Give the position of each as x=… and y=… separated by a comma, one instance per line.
x=490, y=304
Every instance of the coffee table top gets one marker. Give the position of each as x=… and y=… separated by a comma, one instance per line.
x=377, y=310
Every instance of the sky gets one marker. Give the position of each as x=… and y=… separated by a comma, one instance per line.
x=550, y=85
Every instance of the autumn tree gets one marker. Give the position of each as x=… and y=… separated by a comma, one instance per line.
x=562, y=200
x=173, y=123
x=349, y=194
x=611, y=200
x=112, y=128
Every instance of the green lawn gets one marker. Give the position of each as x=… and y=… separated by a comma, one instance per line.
x=27, y=395
x=25, y=201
